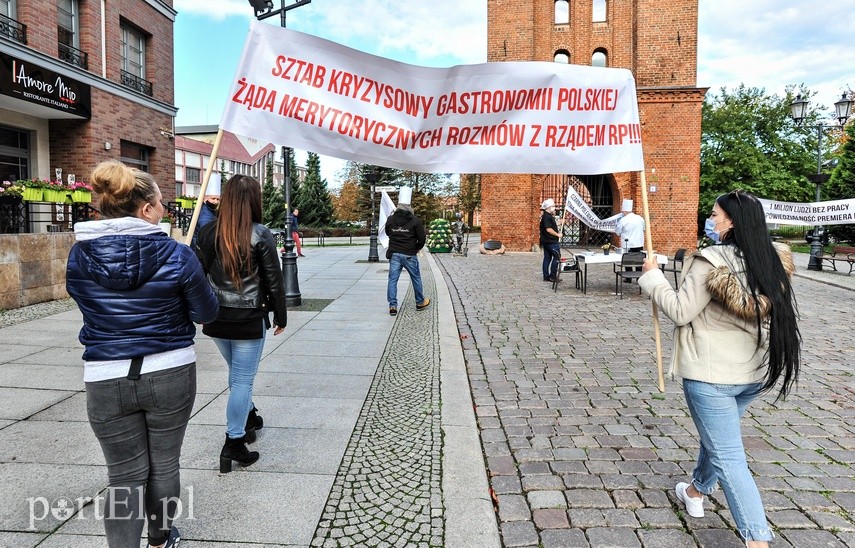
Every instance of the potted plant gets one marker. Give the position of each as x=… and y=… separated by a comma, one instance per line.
x=606, y=248
x=34, y=189
x=186, y=202
x=11, y=192
x=80, y=191
x=166, y=222
x=439, y=236
x=55, y=191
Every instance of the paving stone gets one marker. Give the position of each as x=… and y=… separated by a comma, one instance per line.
x=789, y=519
x=513, y=508
x=666, y=538
x=657, y=517
x=546, y=499
x=718, y=538
x=520, y=533
x=588, y=498
x=811, y=539
x=564, y=538
x=613, y=536
x=546, y=518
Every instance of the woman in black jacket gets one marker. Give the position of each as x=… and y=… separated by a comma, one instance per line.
x=239, y=254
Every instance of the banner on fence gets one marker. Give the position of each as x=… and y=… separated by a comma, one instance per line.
x=512, y=117
x=834, y=212
x=577, y=206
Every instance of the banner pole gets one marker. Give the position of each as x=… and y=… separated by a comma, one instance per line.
x=648, y=239
x=198, y=209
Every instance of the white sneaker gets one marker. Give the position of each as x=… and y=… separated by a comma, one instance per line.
x=694, y=507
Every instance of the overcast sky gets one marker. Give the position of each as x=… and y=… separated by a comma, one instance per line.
x=761, y=43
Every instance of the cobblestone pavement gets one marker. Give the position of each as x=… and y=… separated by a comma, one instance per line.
x=582, y=449
x=388, y=489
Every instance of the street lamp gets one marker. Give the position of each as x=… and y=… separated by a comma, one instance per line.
x=264, y=9
x=798, y=111
x=372, y=177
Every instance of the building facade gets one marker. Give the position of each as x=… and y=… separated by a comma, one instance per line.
x=658, y=42
x=236, y=155
x=86, y=81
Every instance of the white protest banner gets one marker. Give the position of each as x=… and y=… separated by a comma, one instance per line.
x=514, y=117
x=387, y=207
x=576, y=205
x=834, y=212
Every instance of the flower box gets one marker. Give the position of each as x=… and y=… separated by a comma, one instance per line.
x=31, y=194
x=51, y=195
x=81, y=196
x=185, y=203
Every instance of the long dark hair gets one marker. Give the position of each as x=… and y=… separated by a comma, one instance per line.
x=240, y=207
x=766, y=276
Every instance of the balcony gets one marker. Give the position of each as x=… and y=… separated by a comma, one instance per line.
x=136, y=83
x=74, y=56
x=13, y=29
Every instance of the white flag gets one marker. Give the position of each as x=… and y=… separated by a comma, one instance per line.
x=511, y=117
x=387, y=207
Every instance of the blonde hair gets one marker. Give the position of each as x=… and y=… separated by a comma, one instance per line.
x=122, y=189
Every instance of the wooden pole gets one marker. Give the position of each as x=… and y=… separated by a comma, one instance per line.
x=196, y=210
x=648, y=239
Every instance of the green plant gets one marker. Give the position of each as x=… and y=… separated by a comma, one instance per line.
x=8, y=188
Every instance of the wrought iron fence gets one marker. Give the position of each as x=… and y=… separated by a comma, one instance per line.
x=13, y=29
x=137, y=83
x=74, y=56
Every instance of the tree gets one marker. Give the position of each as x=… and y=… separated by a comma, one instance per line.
x=749, y=141
x=294, y=175
x=346, y=203
x=272, y=201
x=469, y=195
x=842, y=183
x=315, y=202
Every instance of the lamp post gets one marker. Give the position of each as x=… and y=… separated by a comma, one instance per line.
x=372, y=177
x=264, y=9
x=798, y=110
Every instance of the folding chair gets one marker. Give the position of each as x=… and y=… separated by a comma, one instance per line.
x=676, y=268
x=626, y=270
x=568, y=265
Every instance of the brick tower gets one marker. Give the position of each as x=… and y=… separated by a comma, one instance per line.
x=658, y=42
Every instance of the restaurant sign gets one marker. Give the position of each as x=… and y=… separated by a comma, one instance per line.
x=29, y=82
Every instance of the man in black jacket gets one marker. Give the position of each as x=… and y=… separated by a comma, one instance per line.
x=406, y=238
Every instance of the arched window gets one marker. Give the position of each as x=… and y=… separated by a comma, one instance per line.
x=599, y=58
x=562, y=56
x=562, y=12
x=599, y=11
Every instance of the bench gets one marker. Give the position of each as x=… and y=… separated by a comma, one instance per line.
x=840, y=254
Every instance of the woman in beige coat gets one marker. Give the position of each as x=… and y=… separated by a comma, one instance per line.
x=736, y=336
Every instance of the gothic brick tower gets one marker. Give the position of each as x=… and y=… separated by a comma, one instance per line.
x=658, y=42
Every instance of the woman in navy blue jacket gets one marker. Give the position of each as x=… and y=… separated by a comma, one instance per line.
x=140, y=293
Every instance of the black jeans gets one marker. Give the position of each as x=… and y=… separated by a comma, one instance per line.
x=140, y=425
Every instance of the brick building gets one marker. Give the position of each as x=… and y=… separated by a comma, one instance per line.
x=658, y=42
x=84, y=82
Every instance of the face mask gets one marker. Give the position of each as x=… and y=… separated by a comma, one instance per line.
x=710, y=231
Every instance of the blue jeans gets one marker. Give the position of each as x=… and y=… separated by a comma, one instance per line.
x=411, y=264
x=140, y=425
x=242, y=357
x=551, y=259
x=716, y=410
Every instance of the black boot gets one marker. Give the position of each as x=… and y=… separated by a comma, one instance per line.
x=254, y=420
x=235, y=450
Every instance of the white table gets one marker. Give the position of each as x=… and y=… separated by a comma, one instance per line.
x=592, y=257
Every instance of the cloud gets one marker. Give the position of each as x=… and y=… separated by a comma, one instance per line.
x=435, y=33
x=773, y=44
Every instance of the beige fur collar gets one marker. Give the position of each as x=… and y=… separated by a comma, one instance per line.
x=727, y=287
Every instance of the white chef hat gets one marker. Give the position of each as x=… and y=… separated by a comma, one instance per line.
x=214, y=184
x=405, y=195
x=627, y=205
x=547, y=203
